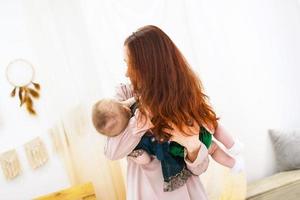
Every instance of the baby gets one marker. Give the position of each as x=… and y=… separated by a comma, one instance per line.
x=110, y=117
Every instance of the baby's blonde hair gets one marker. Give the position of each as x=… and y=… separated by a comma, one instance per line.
x=109, y=114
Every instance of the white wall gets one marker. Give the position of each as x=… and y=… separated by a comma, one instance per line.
x=16, y=126
x=249, y=58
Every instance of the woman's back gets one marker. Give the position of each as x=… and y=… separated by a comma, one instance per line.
x=146, y=181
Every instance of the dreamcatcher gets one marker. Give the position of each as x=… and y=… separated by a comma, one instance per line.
x=20, y=74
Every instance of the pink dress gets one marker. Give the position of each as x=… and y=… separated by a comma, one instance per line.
x=146, y=181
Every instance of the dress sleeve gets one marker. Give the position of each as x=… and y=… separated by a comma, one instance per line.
x=121, y=145
x=200, y=164
x=123, y=92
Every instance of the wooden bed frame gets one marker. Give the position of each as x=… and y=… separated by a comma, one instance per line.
x=78, y=192
x=281, y=186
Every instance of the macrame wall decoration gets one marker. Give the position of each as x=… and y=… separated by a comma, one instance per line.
x=36, y=153
x=10, y=164
x=20, y=74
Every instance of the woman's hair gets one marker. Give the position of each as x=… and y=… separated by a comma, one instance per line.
x=164, y=83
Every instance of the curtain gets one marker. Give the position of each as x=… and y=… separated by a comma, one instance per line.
x=81, y=150
x=71, y=82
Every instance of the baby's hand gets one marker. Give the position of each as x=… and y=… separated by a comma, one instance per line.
x=189, y=140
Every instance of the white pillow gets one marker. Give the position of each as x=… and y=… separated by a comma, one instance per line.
x=287, y=148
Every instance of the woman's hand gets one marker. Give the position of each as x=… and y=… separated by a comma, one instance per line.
x=191, y=143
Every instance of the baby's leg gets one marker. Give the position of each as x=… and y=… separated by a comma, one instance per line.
x=140, y=157
x=221, y=156
x=222, y=135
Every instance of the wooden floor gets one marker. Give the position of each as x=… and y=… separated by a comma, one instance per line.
x=79, y=192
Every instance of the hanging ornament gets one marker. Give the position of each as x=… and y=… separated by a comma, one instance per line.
x=10, y=164
x=36, y=153
x=20, y=74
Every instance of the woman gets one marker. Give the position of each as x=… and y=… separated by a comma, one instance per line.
x=169, y=93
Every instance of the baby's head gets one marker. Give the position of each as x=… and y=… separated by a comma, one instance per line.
x=110, y=117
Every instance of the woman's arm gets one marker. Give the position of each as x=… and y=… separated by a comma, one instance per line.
x=121, y=145
x=123, y=92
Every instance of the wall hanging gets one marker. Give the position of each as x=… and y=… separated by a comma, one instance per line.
x=10, y=164
x=20, y=74
x=36, y=153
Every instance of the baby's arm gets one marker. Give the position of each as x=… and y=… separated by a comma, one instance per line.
x=220, y=156
x=234, y=146
x=235, y=163
x=223, y=136
x=140, y=157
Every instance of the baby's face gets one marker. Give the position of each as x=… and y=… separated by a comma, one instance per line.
x=119, y=123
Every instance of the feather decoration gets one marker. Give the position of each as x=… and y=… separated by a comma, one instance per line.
x=36, y=85
x=29, y=103
x=26, y=95
x=13, y=93
x=33, y=93
x=21, y=96
x=27, y=91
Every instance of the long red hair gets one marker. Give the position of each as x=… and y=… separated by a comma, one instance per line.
x=164, y=83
